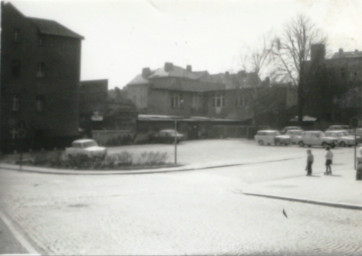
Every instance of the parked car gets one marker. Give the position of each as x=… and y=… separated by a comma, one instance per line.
x=87, y=147
x=343, y=137
x=271, y=137
x=295, y=136
x=317, y=138
x=338, y=127
x=282, y=140
x=288, y=128
x=167, y=136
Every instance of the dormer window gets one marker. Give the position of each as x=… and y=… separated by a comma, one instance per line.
x=40, y=71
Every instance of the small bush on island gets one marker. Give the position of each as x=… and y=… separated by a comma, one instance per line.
x=126, y=160
x=152, y=158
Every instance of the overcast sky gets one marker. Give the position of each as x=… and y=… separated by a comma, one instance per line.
x=123, y=36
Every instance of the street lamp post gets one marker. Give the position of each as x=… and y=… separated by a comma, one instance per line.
x=175, y=151
x=176, y=137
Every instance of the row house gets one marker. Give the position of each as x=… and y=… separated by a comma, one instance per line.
x=40, y=75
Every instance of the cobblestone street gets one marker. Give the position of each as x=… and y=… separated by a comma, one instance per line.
x=198, y=212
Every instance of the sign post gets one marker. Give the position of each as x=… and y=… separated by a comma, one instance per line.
x=354, y=123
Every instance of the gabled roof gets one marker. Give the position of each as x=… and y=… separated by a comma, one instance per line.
x=50, y=27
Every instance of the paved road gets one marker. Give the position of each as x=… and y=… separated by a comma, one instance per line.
x=201, y=212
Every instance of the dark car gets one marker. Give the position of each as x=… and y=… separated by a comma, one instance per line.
x=167, y=136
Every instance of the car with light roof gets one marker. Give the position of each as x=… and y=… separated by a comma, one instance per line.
x=87, y=147
x=271, y=137
x=295, y=136
x=343, y=137
x=288, y=128
x=338, y=127
x=167, y=136
x=317, y=138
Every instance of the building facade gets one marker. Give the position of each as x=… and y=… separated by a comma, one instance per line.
x=333, y=86
x=40, y=74
x=176, y=91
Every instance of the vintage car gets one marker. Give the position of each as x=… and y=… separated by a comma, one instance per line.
x=167, y=136
x=343, y=137
x=271, y=137
x=337, y=127
x=295, y=136
x=317, y=138
x=87, y=147
x=288, y=128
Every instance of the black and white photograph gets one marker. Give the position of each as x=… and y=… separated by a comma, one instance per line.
x=181, y=127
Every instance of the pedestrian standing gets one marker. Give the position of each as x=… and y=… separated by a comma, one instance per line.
x=329, y=160
x=310, y=159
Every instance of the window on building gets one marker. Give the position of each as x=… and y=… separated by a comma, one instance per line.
x=40, y=71
x=16, y=68
x=343, y=73
x=219, y=100
x=241, y=101
x=196, y=101
x=176, y=100
x=355, y=76
x=41, y=40
x=16, y=35
x=39, y=103
x=15, y=103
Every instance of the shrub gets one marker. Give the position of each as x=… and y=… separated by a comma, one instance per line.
x=152, y=158
x=83, y=161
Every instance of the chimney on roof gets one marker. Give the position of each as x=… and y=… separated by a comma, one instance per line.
x=227, y=73
x=340, y=51
x=317, y=52
x=189, y=68
x=356, y=50
x=146, y=72
x=168, y=66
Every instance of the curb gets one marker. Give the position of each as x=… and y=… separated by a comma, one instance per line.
x=308, y=201
x=42, y=170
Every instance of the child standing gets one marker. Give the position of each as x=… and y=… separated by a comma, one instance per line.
x=329, y=158
x=310, y=159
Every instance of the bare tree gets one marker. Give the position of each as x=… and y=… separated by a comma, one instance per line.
x=257, y=60
x=291, y=50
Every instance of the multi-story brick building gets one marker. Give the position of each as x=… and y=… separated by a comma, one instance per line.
x=40, y=73
x=333, y=86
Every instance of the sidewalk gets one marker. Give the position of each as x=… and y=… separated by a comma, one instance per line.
x=339, y=190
